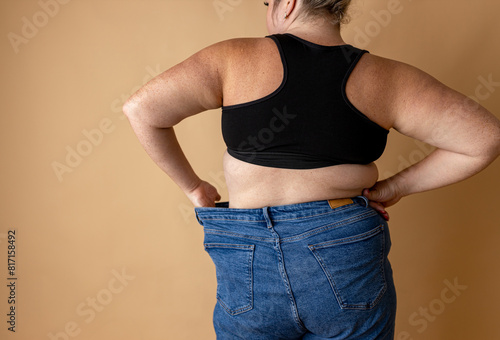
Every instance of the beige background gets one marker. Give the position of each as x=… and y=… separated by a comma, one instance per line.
x=111, y=213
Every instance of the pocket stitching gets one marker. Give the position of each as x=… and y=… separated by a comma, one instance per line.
x=350, y=239
x=330, y=278
x=249, y=290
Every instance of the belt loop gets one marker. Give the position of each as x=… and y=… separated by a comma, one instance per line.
x=265, y=212
x=365, y=200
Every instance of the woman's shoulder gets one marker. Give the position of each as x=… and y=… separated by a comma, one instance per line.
x=242, y=57
x=239, y=46
x=390, y=75
x=386, y=87
x=386, y=67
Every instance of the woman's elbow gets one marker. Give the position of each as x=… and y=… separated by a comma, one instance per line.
x=131, y=109
x=142, y=110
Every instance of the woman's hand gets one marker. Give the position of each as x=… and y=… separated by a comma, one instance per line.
x=382, y=195
x=204, y=195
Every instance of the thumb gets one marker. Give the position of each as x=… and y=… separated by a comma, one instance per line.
x=384, y=192
x=381, y=192
x=373, y=194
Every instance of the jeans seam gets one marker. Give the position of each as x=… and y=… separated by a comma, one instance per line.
x=288, y=288
x=282, y=269
x=328, y=227
x=249, y=277
x=330, y=279
x=230, y=219
x=249, y=306
x=382, y=271
x=350, y=239
x=229, y=233
x=327, y=212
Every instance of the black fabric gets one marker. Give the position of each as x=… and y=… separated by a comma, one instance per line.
x=308, y=122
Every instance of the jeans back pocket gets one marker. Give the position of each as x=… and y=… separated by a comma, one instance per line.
x=233, y=266
x=354, y=267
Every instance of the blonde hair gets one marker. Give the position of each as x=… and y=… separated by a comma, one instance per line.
x=336, y=9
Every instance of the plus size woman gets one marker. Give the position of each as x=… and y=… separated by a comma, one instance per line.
x=301, y=246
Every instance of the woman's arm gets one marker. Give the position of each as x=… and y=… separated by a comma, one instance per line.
x=184, y=90
x=466, y=135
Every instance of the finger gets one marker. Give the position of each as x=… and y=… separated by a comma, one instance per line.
x=386, y=216
x=377, y=206
x=380, y=208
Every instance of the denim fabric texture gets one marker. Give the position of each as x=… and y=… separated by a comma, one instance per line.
x=301, y=271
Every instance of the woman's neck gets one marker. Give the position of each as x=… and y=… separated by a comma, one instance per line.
x=320, y=32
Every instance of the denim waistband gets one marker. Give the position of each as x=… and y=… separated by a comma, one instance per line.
x=221, y=211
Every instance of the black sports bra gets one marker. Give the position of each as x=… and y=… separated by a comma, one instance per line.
x=307, y=122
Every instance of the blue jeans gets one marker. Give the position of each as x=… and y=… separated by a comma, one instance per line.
x=316, y=270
